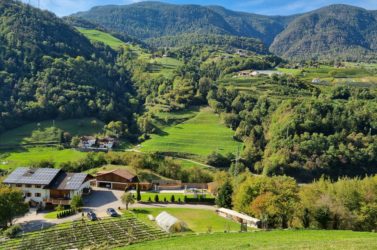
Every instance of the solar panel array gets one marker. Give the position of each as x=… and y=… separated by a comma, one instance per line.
x=75, y=181
x=39, y=176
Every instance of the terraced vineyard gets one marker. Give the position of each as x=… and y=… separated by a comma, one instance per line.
x=83, y=234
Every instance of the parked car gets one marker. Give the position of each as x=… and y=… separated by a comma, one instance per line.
x=112, y=212
x=91, y=216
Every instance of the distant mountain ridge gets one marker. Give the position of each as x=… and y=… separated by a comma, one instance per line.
x=336, y=30
x=154, y=19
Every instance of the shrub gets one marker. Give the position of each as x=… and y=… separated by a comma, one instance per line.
x=12, y=231
x=172, y=198
x=149, y=199
x=165, y=200
x=156, y=198
x=179, y=199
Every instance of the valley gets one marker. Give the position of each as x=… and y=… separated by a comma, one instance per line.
x=250, y=130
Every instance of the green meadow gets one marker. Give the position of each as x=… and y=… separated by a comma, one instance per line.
x=197, y=220
x=27, y=156
x=103, y=37
x=200, y=135
x=290, y=239
x=42, y=132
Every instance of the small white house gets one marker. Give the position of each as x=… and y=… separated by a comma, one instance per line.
x=87, y=141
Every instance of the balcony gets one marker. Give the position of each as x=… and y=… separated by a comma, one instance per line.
x=57, y=201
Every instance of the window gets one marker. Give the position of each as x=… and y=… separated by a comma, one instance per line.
x=38, y=186
x=28, y=194
x=37, y=194
x=28, y=185
x=18, y=185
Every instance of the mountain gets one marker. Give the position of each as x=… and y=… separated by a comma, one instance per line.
x=154, y=19
x=334, y=31
x=337, y=30
x=49, y=70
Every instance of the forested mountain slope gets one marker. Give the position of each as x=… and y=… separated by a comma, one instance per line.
x=335, y=31
x=153, y=19
x=340, y=30
x=49, y=70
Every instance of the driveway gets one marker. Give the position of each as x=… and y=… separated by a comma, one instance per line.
x=98, y=201
x=101, y=199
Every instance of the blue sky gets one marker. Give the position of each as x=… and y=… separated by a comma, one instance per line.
x=266, y=7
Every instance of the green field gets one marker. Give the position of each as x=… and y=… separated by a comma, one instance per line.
x=25, y=157
x=313, y=240
x=200, y=135
x=164, y=66
x=39, y=132
x=99, y=36
x=197, y=220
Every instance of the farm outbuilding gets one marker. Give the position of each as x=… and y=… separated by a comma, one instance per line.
x=169, y=223
x=238, y=217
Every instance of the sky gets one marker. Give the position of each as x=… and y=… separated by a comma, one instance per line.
x=265, y=7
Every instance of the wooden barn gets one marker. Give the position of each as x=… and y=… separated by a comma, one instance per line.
x=119, y=179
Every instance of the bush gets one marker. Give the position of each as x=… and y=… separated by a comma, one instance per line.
x=66, y=213
x=179, y=199
x=172, y=198
x=149, y=199
x=156, y=198
x=12, y=231
x=165, y=200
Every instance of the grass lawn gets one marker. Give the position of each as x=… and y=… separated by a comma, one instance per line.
x=29, y=132
x=313, y=240
x=197, y=220
x=23, y=158
x=200, y=135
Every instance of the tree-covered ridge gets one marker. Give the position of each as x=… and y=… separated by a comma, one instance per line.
x=228, y=42
x=49, y=70
x=153, y=19
x=339, y=30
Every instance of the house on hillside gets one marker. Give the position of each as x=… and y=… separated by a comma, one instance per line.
x=119, y=179
x=94, y=143
x=87, y=141
x=48, y=186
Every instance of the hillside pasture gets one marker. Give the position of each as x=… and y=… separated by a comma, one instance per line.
x=27, y=156
x=41, y=132
x=200, y=135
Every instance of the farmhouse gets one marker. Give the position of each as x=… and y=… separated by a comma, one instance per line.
x=119, y=179
x=87, y=141
x=238, y=217
x=48, y=186
x=93, y=143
